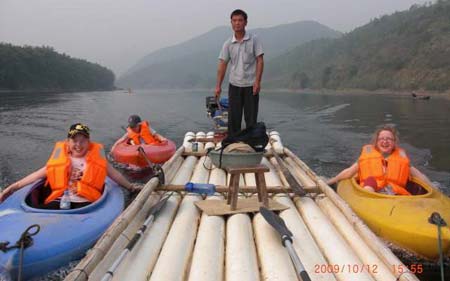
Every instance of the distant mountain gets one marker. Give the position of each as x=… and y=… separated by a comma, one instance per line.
x=404, y=51
x=41, y=68
x=193, y=64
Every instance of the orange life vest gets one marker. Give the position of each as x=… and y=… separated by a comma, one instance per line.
x=90, y=186
x=144, y=133
x=395, y=173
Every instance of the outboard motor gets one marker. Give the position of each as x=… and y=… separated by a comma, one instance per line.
x=218, y=112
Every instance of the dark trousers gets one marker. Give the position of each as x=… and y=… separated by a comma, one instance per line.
x=241, y=100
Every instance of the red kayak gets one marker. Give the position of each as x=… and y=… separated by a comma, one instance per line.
x=157, y=153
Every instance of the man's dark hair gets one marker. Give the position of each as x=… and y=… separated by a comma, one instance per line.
x=239, y=12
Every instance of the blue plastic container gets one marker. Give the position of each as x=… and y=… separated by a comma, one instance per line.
x=200, y=188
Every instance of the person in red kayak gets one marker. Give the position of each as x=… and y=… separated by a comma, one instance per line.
x=76, y=164
x=383, y=166
x=139, y=132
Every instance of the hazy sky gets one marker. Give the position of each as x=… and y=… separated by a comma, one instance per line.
x=117, y=33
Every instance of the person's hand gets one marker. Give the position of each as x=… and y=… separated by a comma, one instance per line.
x=5, y=193
x=136, y=187
x=256, y=88
x=217, y=92
x=2, y=196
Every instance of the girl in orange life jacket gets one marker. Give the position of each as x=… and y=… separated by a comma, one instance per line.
x=382, y=166
x=77, y=164
x=139, y=132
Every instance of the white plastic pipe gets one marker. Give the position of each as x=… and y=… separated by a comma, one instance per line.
x=341, y=260
x=304, y=244
x=174, y=258
x=140, y=262
x=241, y=262
x=374, y=265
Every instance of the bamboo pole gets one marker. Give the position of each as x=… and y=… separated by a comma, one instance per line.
x=141, y=261
x=369, y=237
x=170, y=173
x=86, y=266
x=301, y=176
x=188, y=152
x=243, y=189
x=281, y=176
x=124, y=238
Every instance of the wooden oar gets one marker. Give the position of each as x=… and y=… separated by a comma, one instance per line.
x=150, y=218
x=296, y=187
x=144, y=155
x=286, y=239
x=157, y=170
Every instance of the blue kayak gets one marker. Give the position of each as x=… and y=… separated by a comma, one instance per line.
x=64, y=235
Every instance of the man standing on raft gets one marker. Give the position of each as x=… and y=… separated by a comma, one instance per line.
x=245, y=54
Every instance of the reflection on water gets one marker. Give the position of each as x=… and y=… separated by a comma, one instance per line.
x=325, y=130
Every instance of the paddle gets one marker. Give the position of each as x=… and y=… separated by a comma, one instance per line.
x=150, y=218
x=286, y=239
x=142, y=152
x=436, y=219
x=157, y=169
x=296, y=187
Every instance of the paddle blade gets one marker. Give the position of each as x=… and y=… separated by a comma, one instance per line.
x=296, y=187
x=158, y=206
x=276, y=222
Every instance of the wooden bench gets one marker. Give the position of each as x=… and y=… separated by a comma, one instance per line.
x=233, y=187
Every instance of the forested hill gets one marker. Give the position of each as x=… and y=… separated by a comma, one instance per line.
x=404, y=51
x=193, y=64
x=41, y=68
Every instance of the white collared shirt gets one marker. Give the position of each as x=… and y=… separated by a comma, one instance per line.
x=241, y=56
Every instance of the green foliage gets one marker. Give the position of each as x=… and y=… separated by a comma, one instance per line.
x=41, y=68
x=403, y=51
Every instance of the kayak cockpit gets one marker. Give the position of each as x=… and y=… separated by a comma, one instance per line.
x=39, y=191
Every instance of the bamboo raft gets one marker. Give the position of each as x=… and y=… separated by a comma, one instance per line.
x=185, y=244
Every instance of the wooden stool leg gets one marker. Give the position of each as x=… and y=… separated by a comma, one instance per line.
x=258, y=187
x=235, y=186
x=262, y=190
x=230, y=189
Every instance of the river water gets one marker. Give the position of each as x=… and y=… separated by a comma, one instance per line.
x=324, y=130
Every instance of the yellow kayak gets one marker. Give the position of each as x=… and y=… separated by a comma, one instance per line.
x=403, y=220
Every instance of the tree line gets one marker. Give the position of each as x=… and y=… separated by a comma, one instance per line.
x=41, y=68
x=407, y=50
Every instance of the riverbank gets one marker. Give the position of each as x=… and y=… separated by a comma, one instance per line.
x=384, y=92
x=2, y=91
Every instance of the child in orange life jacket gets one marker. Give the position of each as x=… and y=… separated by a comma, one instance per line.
x=382, y=166
x=76, y=164
x=139, y=132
